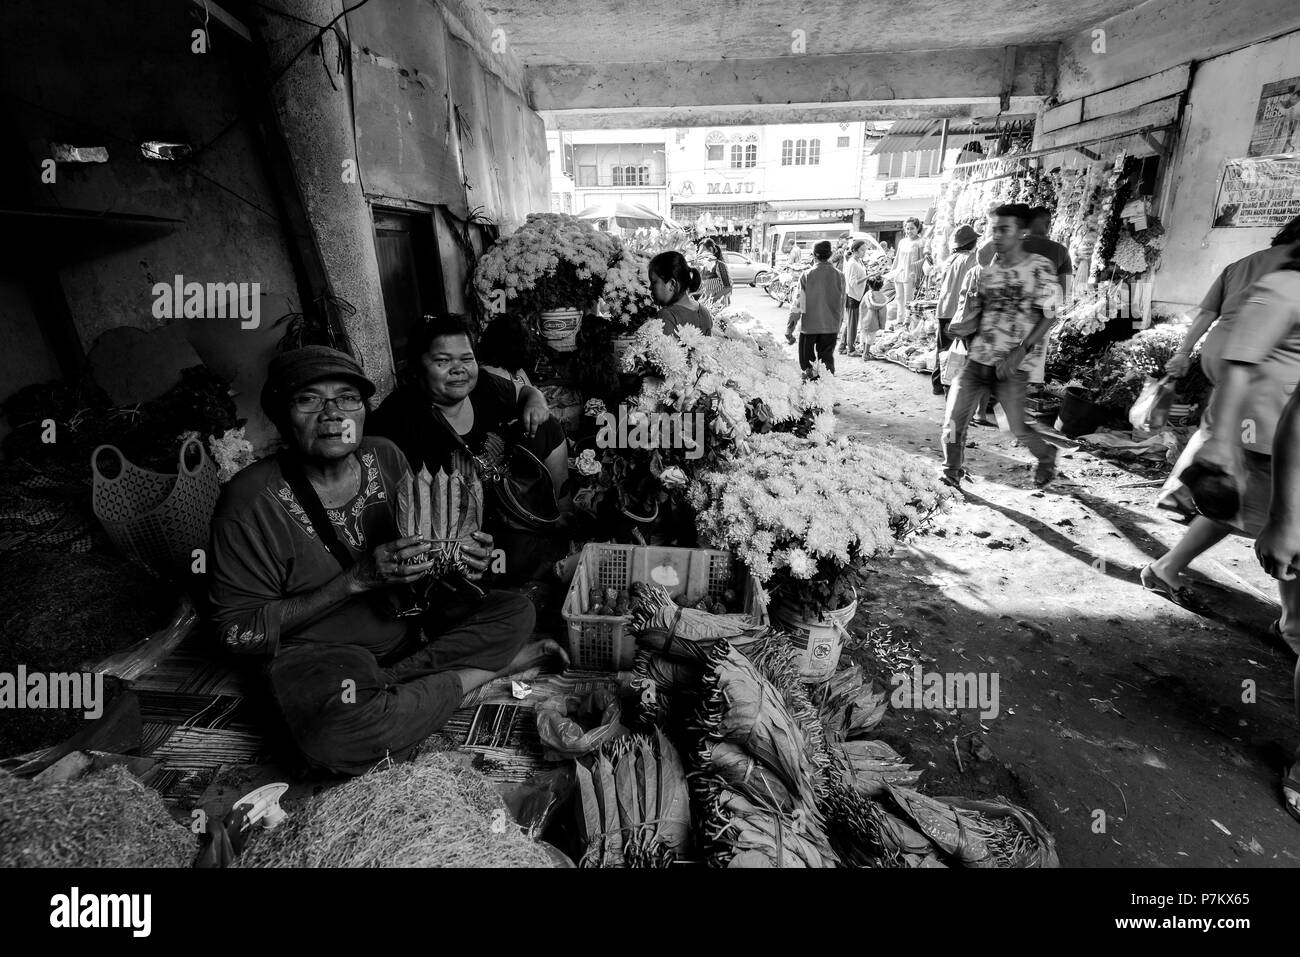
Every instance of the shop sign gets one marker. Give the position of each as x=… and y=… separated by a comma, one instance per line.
x=728, y=189
x=1259, y=191
x=814, y=215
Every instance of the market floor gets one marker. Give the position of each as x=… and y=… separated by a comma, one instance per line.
x=1141, y=733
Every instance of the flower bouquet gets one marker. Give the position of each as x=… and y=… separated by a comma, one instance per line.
x=804, y=516
x=553, y=261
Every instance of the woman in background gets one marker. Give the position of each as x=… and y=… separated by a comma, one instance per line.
x=715, y=281
x=855, y=287
x=672, y=280
x=906, y=275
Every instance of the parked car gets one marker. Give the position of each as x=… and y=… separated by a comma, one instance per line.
x=741, y=267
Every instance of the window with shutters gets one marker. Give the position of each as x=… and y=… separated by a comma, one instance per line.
x=800, y=152
x=909, y=164
x=841, y=142
x=737, y=157
x=787, y=152
x=715, y=153
x=814, y=152
x=927, y=159
x=751, y=155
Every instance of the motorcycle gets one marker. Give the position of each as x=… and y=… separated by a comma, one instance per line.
x=783, y=283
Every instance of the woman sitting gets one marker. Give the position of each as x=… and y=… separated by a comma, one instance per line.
x=453, y=416
x=307, y=567
x=672, y=281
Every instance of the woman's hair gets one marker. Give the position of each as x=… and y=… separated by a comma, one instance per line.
x=505, y=342
x=672, y=266
x=913, y=219
x=1290, y=233
x=712, y=247
x=856, y=245
x=875, y=283
x=438, y=327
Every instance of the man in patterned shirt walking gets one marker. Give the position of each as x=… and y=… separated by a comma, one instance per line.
x=1002, y=316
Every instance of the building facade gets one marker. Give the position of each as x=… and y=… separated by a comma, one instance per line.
x=738, y=183
x=605, y=167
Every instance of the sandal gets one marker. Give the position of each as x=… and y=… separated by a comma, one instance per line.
x=1178, y=594
x=1291, y=783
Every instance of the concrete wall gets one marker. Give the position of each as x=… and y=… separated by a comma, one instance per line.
x=1217, y=126
x=1162, y=33
x=91, y=75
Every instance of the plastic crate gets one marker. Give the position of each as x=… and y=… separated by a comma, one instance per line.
x=603, y=642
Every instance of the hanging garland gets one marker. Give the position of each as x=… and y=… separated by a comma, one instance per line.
x=1115, y=195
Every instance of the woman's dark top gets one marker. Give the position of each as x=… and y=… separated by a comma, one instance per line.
x=408, y=418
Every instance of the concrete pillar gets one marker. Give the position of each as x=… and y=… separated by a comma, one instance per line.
x=312, y=102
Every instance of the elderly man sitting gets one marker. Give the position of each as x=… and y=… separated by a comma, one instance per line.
x=307, y=568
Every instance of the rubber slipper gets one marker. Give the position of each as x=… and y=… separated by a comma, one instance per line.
x=1290, y=783
x=1153, y=582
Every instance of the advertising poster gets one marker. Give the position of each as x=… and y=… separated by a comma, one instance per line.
x=1259, y=191
x=1277, y=121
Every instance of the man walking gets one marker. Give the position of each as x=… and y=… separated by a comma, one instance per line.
x=955, y=270
x=1003, y=314
x=1039, y=243
x=820, y=309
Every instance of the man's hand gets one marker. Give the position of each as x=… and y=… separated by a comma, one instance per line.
x=387, y=565
x=789, y=337
x=1178, y=365
x=534, y=414
x=477, y=556
x=1278, y=548
x=1011, y=364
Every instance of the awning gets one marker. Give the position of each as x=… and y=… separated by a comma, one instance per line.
x=908, y=135
x=896, y=210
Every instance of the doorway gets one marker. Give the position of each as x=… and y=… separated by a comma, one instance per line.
x=410, y=274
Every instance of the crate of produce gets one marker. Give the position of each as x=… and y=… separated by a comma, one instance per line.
x=598, y=637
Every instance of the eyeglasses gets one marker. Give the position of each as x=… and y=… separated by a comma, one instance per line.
x=308, y=404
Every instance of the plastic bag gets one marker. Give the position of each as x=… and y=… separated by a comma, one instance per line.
x=951, y=362
x=533, y=804
x=559, y=728
x=1151, y=410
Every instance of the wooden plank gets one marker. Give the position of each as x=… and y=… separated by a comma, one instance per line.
x=1161, y=113
x=1149, y=89
x=1067, y=114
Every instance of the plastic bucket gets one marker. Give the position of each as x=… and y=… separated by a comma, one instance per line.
x=818, y=643
x=620, y=345
x=1079, y=415
x=559, y=328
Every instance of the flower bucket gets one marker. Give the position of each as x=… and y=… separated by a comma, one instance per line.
x=559, y=328
x=1079, y=415
x=621, y=344
x=818, y=642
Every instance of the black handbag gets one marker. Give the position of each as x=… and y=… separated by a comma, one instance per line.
x=515, y=479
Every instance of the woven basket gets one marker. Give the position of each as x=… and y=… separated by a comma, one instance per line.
x=157, y=520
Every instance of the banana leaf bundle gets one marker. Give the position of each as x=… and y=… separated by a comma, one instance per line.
x=687, y=633
x=774, y=657
x=745, y=834
x=742, y=706
x=871, y=766
x=443, y=508
x=633, y=804
x=857, y=827
x=947, y=828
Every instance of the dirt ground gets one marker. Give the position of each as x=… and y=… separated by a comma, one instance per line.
x=1122, y=719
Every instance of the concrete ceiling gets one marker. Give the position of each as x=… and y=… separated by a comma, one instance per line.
x=556, y=32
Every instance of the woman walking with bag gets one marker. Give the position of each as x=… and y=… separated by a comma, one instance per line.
x=715, y=281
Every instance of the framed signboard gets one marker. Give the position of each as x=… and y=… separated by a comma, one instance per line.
x=1258, y=191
